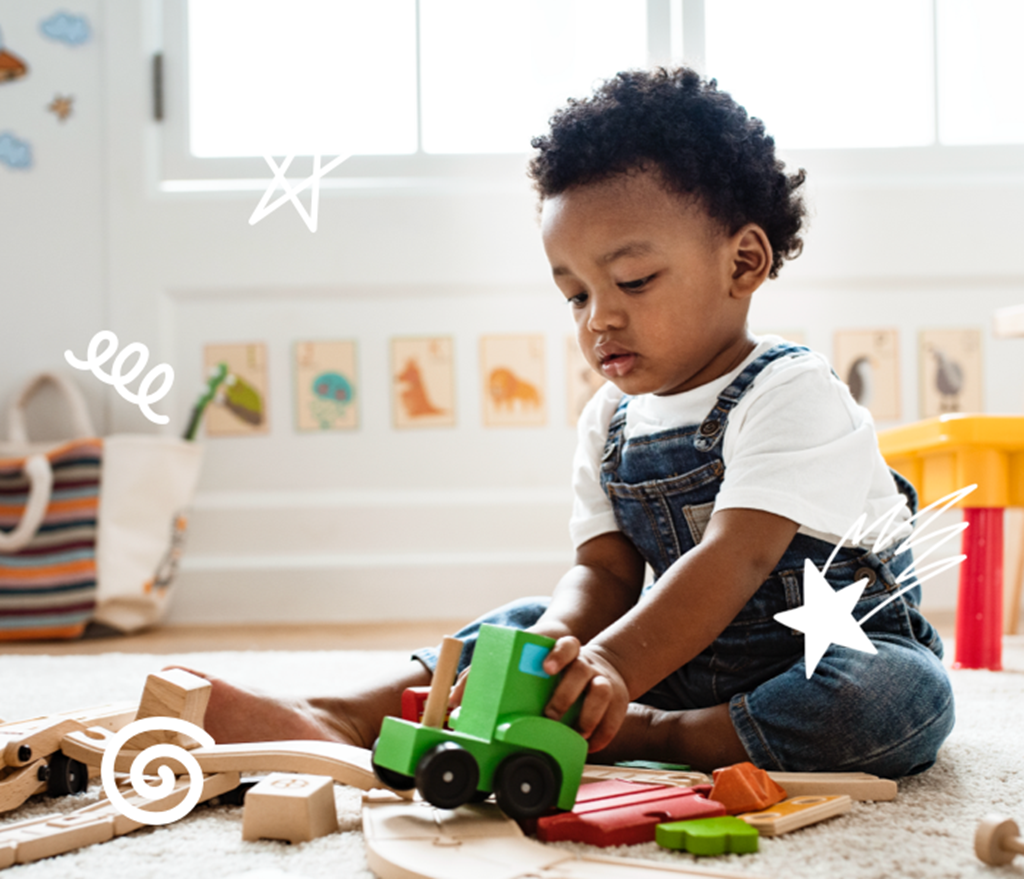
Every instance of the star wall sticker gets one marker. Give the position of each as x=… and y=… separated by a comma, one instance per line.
x=291, y=194
x=62, y=106
x=826, y=616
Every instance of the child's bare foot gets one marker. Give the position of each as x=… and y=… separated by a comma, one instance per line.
x=703, y=737
x=237, y=714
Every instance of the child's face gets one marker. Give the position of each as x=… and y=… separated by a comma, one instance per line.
x=659, y=291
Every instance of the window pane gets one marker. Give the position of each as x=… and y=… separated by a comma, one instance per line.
x=981, y=71
x=301, y=77
x=493, y=73
x=823, y=73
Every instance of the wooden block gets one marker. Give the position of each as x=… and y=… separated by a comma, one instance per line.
x=171, y=693
x=413, y=701
x=624, y=813
x=744, y=788
x=597, y=772
x=708, y=836
x=796, y=812
x=858, y=786
x=296, y=808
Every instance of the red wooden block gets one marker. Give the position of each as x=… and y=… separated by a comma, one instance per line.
x=621, y=812
x=413, y=701
x=743, y=787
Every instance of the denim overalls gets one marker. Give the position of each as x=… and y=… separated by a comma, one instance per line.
x=885, y=713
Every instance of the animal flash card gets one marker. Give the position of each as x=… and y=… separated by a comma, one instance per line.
x=240, y=405
x=325, y=386
x=512, y=371
x=949, y=371
x=423, y=382
x=583, y=382
x=868, y=361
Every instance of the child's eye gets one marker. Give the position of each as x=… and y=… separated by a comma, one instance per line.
x=578, y=300
x=636, y=285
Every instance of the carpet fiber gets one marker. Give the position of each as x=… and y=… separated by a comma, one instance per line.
x=926, y=832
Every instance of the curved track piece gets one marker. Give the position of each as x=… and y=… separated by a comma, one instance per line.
x=416, y=841
x=345, y=764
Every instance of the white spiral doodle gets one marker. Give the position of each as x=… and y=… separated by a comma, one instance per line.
x=95, y=358
x=147, y=756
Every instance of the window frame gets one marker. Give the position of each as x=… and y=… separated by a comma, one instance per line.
x=675, y=31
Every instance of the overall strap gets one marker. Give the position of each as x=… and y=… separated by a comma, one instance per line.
x=712, y=428
x=613, y=443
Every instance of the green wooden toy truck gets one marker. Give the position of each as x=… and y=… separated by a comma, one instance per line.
x=499, y=742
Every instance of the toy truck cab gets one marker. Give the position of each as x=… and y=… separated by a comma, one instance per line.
x=500, y=741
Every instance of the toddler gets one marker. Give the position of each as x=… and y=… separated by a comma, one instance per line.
x=719, y=459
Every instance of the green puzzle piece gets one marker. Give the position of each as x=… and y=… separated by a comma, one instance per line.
x=708, y=836
x=651, y=764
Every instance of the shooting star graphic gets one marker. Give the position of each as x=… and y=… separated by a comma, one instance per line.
x=826, y=616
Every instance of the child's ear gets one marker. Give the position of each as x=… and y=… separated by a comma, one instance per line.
x=752, y=259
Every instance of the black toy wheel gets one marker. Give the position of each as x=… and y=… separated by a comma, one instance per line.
x=526, y=785
x=447, y=776
x=394, y=780
x=66, y=776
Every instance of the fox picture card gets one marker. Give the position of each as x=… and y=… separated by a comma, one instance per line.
x=868, y=361
x=512, y=374
x=950, y=372
x=582, y=382
x=325, y=386
x=423, y=382
x=240, y=405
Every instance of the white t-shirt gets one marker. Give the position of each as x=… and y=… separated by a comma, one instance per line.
x=796, y=445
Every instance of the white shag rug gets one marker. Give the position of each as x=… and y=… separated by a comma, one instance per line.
x=926, y=832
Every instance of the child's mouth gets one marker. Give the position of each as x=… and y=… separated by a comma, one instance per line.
x=617, y=364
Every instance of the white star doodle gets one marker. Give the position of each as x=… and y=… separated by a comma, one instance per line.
x=292, y=194
x=826, y=617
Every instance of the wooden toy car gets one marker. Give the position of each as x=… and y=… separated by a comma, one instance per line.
x=499, y=742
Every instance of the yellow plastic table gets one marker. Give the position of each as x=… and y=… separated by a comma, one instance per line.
x=942, y=455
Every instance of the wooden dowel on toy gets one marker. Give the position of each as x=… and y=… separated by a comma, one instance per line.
x=444, y=676
x=997, y=840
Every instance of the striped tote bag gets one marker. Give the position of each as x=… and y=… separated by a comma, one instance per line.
x=49, y=503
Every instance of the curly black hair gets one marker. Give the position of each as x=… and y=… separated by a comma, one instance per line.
x=703, y=143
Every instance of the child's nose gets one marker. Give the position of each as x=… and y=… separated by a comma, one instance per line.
x=605, y=313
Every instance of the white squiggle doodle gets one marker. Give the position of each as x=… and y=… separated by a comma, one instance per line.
x=95, y=358
x=147, y=756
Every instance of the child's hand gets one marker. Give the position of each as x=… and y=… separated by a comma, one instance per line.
x=455, y=697
x=586, y=671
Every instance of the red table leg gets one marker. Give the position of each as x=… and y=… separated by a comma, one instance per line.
x=979, y=609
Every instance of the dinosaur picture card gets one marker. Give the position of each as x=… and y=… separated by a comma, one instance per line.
x=512, y=376
x=950, y=371
x=868, y=361
x=423, y=382
x=239, y=407
x=325, y=386
x=582, y=381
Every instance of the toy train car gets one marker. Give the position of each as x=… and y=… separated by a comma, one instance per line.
x=500, y=741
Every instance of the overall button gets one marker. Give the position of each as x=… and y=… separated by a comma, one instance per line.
x=708, y=428
x=866, y=572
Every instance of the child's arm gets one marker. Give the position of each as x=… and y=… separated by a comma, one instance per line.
x=693, y=603
x=604, y=584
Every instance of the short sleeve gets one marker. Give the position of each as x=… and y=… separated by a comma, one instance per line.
x=801, y=448
x=592, y=512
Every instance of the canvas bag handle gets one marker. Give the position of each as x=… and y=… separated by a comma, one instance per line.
x=40, y=479
x=16, y=430
x=37, y=466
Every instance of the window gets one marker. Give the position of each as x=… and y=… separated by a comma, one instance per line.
x=433, y=92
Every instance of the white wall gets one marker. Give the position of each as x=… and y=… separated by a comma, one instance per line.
x=376, y=523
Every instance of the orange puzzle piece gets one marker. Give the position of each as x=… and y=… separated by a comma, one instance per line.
x=745, y=788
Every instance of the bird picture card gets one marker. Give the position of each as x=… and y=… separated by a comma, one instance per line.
x=582, y=381
x=325, y=386
x=512, y=375
x=868, y=361
x=950, y=371
x=423, y=382
x=239, y=407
